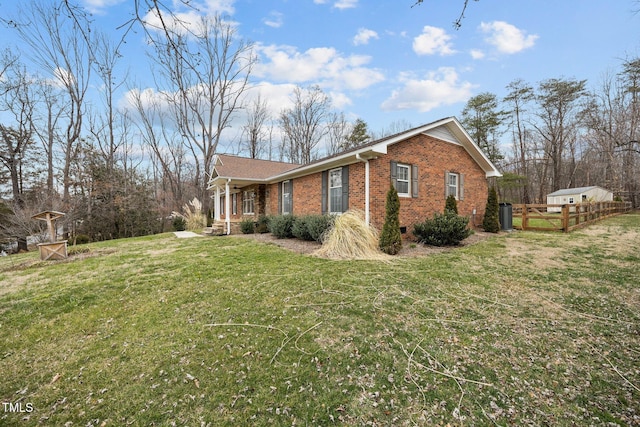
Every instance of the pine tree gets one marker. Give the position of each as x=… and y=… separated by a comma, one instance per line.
x=491, y=222
x=390, y=239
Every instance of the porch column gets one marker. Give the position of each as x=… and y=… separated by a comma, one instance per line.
x=227, y=206
x=216, y=204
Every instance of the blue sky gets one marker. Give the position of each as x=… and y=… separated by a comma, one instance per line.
x=385, y=61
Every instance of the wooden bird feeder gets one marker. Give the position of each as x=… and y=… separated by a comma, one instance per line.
x=51, y=249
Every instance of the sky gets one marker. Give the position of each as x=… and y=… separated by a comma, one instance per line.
x=386, y=61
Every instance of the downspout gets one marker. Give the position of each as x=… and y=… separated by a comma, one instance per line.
x=367, y=214
x=227, y=206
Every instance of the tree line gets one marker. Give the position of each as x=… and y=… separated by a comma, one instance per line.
x=561, y=134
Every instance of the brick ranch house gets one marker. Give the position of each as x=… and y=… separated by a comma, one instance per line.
x=425, y=164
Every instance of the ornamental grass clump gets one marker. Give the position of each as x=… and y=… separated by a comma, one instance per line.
x=195, y=220
x=351, y=237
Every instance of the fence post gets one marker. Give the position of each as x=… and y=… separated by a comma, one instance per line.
x=565, y=218
x=525, y=220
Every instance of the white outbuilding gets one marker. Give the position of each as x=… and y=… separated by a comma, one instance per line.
x=573, y=196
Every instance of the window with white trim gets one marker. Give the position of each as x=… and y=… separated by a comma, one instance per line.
x=248, y=202
x=286, y=197
x=234, y=204
x=403, y=180
x=453, y=185
x=335, y=191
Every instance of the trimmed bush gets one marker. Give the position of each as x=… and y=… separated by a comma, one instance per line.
x=81, y=239
x=262, y=225
x=446, y=229
x=318, y=226
x=491, y=221
x=451, y=205
x=179, y=223
x=391, y=239
x=300, y=229
x=281, y=226
x=247, y=226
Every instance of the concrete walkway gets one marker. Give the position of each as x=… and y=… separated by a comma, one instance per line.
x=186, y=234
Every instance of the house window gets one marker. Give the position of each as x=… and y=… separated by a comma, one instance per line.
x=221, y=205
x=571, y=200
x=248, y=202
x=286, y=197
x=335, y=191
x=453, y=185
x=403, y=180
x=234, y=204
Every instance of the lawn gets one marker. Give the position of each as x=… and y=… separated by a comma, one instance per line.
x=521, y=329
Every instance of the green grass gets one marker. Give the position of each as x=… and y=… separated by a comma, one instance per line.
x=521, y=329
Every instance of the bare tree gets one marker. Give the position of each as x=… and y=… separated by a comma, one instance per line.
x=558, y=122
x=520, y=94
x=206, y=72
x=17, y=102
x=458, y=22
x=255, y=131
x=338, y=130
x=168, y=153
x=303, y=125
x=59, y=46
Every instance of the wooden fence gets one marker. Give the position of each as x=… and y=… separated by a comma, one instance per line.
x=564, y=217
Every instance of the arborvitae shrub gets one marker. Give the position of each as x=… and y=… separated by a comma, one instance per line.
x=281, y=226
x=446, y=229
x=247, y=226
x=451, y=205
x=390, y=238
x=491, y=221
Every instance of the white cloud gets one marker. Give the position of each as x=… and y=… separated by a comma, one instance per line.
x=433, y=40
x=275, y=19
x=345, y=4
x=506, y=37
x=477, y=54
x=323, y=65
x=189, y=17
x=363, y=36
x=441, y=87
x=98, y=6
x=340, y=4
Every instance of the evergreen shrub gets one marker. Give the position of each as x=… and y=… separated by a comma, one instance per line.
x=390, y=238
x=179, y=223
x=446, y=229
x=451, y=204
x=491, y=221
x=247, y=226
x=281, y=226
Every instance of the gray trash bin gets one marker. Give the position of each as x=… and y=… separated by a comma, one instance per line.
x=506, y=216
